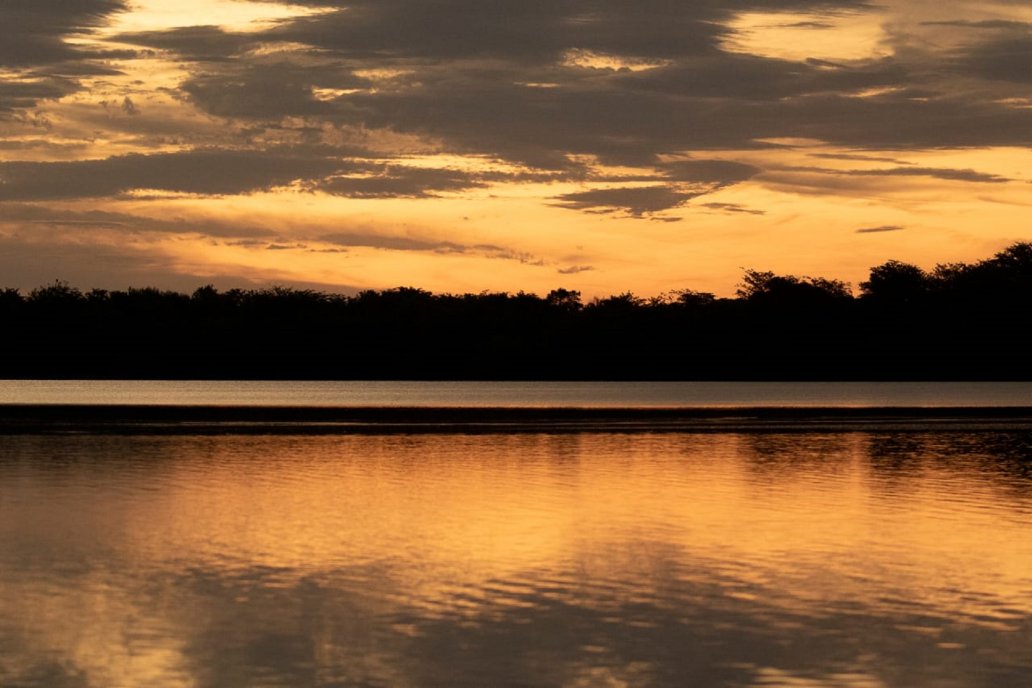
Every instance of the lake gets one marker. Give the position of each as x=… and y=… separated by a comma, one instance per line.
x=577, y=559
x=518, y=394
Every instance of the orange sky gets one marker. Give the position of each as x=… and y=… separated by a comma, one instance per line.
x=601, y=146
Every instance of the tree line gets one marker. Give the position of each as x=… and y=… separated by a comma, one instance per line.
x=958, y=321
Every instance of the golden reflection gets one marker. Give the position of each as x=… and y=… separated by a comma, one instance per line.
x=469, y=511
x=343, y=554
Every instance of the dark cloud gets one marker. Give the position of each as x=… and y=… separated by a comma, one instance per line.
x=691, y=178
x=935, y=172
x=467, y=72
x=271, y=89
x=213, y=171
x=825, y=180
x=907, y=119
x=621, y=121
x=732, y=208
x=806, y=25
x=34, y=44
x=404, y=243
x=25, y=93
x=129, y=107
x=516, y=80
x=983, y=24
x=1008, y=59
x=522, y=30
x=717, y=172
x=399, y=181
x=574, y=269
x=28, y=261
x=875, y=230
x=393, y=243
x=40, y=217
x=753, y=78
x=858, y=157
x=196, y=43
x=205, y=171
x=35, y=30
x=636, y=201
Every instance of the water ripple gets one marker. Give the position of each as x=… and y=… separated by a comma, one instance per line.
x=508, y=560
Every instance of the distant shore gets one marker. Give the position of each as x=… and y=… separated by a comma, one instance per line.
x=958, y=322
x=23, y=419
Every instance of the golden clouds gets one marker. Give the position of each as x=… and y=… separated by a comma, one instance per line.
x=518, y=149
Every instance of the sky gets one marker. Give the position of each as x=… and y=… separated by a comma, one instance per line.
x=505, y=145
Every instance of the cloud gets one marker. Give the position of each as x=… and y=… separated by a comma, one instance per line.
x=194, y=43
x=753, y=78
x=464, y=73
x=690, y=179
x=215, y=171
x=270, y=89
x=883, y=228
x=129, y=107
x=1005, y=59
x=393, y=243
x=45, y=64
x=530, y=31
x=965, y=175
x=406, y=243
x=732, y=208
x=716, y=172
x=636, y=201
x=944, y=173
x=25, y=92
x=393, y=181
x=574, y=269
x=562, y=89
x=983, y=24
x=35, y=30
x=39, y=218
x=858, y=157
x=89, y=261
x=806, y=25
x=81, y=256
x=203, y=171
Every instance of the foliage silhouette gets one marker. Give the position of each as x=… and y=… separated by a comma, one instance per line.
x=958, y=321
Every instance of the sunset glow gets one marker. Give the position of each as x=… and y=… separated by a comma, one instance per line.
x=353, y=144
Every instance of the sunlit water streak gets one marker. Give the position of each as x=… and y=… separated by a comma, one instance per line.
x=849, y=559
x=524, y=394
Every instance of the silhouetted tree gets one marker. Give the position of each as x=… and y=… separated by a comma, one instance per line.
x=957, y=321
x=897, y=282
x=564, y=300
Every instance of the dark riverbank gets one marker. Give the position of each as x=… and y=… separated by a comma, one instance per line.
x=172, y=420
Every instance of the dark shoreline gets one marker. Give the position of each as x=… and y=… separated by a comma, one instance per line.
x=958, y=322
x=24, y=419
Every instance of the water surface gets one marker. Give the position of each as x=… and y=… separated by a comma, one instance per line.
x=518, y=394
x=760, y=559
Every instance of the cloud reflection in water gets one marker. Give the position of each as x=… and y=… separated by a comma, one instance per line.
x=516, y=560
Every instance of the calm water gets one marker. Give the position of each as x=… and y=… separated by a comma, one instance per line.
x=590, y=560
x=581, y=394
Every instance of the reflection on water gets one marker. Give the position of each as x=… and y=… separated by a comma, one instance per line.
x=517, y=560
x=439, y=394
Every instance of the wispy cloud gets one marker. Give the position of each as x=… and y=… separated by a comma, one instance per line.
x=882, y=228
